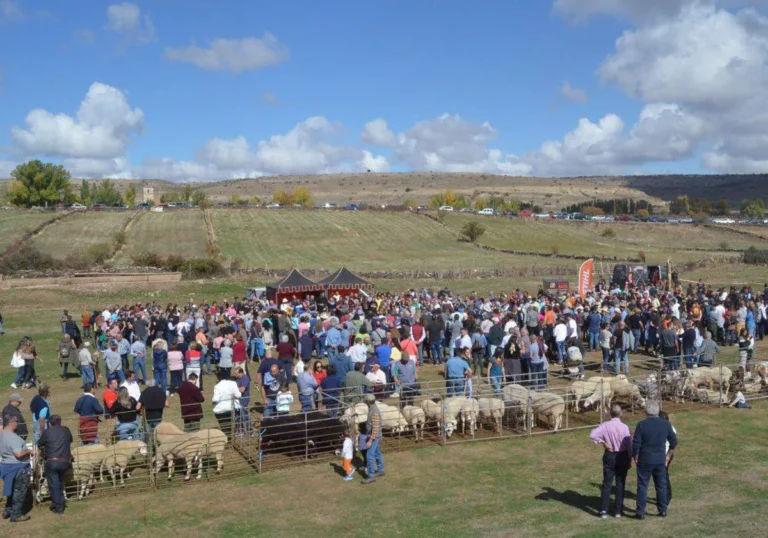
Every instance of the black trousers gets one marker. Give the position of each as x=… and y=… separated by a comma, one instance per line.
x=644, y=473
x=615, y=467
x=14, y=506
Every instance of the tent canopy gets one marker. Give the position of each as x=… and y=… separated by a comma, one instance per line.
x=344, y=279
x=293, y=283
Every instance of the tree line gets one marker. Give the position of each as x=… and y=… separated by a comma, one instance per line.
x=682, y=205
x=617, y=206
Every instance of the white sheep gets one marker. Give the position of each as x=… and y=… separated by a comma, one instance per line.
x=579, y=390
x=602, y=394
x=516, y=402
x=451, y=413
x=119, y=456
x=548, y=408
x=172, y=443
x=416, y=418
x=492, y=410
x=711, y=396
x=86, y=461
x=432, y=410
x=469, y=413
x=622, y=388
x=391, y=418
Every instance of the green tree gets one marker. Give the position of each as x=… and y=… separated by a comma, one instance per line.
x=753, y=208
x=722, y=207
x=234, y=199
x=680, y=206
x=85, y=193
x=37, y=183
x=702, y=205
x=198, y=197
x=106, y=193
x=186, y=194
x=130, y=196
x=472, y=231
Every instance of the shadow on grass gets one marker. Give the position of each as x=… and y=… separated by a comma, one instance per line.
x=586, y=503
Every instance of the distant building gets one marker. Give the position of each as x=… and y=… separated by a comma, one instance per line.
x=149, y=195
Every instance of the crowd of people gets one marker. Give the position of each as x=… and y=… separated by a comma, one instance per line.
x=344, y=350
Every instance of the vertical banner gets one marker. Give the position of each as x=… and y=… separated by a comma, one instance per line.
x=585, y=277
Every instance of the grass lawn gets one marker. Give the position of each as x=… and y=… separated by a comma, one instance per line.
x=543, y=485
x=363, y=241
x=14, y=224
x=172, y=232
x=76, y=233
x=657, y=241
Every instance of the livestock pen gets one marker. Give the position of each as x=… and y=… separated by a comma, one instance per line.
x=258, y=444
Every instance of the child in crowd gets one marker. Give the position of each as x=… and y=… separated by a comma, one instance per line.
x=347, y=452
x=284, y=400
x=740, y=402
x=362, y=439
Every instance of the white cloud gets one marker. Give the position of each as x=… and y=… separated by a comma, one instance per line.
x=570, y=93
x=373, y=163
x=10, y=11
x=228, y=154
x=579, y=11
x=102, y=128
x=117, y=168
x=125, y=19
x=234, y=55
x=172, y=170
x=377, y=132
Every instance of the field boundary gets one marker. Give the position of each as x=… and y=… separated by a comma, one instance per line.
x=123, y=232
x=27, y=237
x=17, y=283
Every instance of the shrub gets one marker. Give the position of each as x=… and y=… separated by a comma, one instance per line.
x=472, y=231
x=212, y=251
x=408, y=189
x=173, y=263
x=608, y=232
x=723, y=245
x=555, y=248
x=147, y=259
x=121, y=238
x=26, y=258
x=98, y=253
x=755, y=257
x=441, y=217
x=76, y=262
x=203, y=267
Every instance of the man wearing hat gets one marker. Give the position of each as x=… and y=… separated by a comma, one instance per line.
x=12, y=410
x=373, y=444
x=86, y=364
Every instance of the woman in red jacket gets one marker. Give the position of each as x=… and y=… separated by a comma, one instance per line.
x=239, y=354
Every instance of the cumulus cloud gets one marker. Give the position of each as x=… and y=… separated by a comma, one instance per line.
x=377, y=132
x=374, y=163
x=117, y=168
x=579, y=11
x=235, y=55
x=102, y=128
x=570, y=93
x=126, y=19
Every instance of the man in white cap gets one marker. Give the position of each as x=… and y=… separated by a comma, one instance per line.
x=12, y=409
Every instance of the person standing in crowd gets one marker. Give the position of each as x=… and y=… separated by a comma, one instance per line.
x=54, y=450
x=123, y=349
x=89, y=410
x=12, y=409
x=355, y=384
x=616, y=439
x=176, y=366
x=456, y=369
x=153, y=402
x=670, y=347
x=330, y=388
x=109, y=397
x=271, y=382
x=160, y=364
x=87, y=374
x=114, y=363
x=41, y=411
x=243, y=381
x=373, y=443
x=139, y=352
x=14, y=469
x=190, y=399
x=405, y=377
x=708, y=351
x=66, y=354
x=285, y=355
x=125, y=411
x=226, y=403
x=307, y=385
x=225, y=358
x=650, y=456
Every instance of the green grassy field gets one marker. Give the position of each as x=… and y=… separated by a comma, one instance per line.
x=77, y=233
x=626, y=240
x=14, y=224
x=177, y=232
x=543, y=485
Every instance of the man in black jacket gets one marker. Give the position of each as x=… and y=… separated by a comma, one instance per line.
x=54, y=444
x=649, y=453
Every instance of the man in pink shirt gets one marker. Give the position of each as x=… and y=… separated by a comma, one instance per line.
x=615, y=437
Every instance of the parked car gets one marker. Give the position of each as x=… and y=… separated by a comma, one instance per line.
x=445, y=208
x=273, y=205
x=98, y=207
x=329, y=205
x=578, y=216
x=722, y=220
x=468, y=210
x=143, y=206
x=686, y=220
x=78, y=207
x=487, y=211
x=119, y=206
x=352, y=207
x=542, y=216
x=562, y=216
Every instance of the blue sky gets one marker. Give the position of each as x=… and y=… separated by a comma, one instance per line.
x=344, y=63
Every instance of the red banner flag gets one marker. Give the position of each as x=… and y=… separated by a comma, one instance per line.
x=585, y=277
